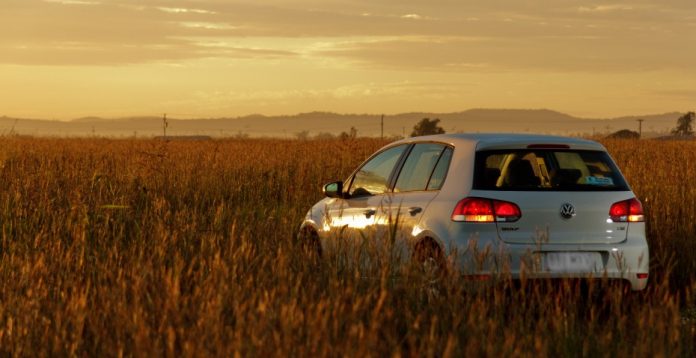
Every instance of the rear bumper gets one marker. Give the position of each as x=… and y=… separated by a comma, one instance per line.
x=627, y=261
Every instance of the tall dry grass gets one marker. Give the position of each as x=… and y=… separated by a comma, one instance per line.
x=139, y=247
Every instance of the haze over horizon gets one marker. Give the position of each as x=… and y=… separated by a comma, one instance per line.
x=66, y=59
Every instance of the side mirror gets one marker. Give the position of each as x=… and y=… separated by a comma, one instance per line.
x=334, y=189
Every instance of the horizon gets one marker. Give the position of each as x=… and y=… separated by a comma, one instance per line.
x=67, y=59
x=543, y=121
x=365, y=114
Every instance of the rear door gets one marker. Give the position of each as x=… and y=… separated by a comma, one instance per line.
x=418, y=182
x=564, y=195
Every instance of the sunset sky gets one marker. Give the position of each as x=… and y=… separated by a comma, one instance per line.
x=63, y=59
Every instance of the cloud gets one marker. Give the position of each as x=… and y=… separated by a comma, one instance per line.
x=686, y=94
x=272, y=101
x=606, y=8
x=179, y=10
x=73, y=2
x=493, y=54
x=572, y=34
x=70, y=33
x=418, y=52
x=412, y=16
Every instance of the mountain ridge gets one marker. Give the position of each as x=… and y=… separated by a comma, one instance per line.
x=322, y=122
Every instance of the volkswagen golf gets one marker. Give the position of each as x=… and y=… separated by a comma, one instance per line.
x=539, y=206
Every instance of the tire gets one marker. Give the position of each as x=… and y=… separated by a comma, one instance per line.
x=309, y=243
x=430, y=257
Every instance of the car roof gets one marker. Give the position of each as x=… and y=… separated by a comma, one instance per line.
x=483, y=141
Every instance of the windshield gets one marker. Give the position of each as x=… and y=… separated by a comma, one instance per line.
x=547, y=170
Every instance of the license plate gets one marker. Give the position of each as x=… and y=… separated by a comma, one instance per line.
x=572, y=261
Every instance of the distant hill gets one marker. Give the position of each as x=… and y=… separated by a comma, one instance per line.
x=473, y=120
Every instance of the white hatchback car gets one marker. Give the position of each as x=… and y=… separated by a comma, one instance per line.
x=540, y=206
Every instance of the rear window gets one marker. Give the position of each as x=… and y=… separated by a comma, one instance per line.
x=547, y=170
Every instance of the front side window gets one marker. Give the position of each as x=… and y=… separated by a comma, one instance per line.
x=373, y=177
x=418, y=167
x=559, y=170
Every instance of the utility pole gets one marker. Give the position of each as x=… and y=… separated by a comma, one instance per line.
x=12, y=130
x=382, y=126
x=165, y=124
x=640, y=127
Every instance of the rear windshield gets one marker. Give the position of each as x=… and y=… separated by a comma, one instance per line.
x=547, y=170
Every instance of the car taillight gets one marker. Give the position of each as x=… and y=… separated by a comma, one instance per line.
x=482, y=210
x=627, y=211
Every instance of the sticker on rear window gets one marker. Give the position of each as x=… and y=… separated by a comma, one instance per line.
x=599, y=181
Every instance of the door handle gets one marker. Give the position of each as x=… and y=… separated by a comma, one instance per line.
x=414, y=210
x=369, y=212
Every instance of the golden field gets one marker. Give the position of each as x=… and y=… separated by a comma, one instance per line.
x=148, y=248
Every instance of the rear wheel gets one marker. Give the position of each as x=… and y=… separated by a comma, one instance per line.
x=430, y=257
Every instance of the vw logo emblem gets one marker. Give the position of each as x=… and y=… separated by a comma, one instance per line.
x=567, y=211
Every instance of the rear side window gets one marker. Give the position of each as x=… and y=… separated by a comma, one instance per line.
x=440, y=172
x=418, y=168
x=547, y=170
